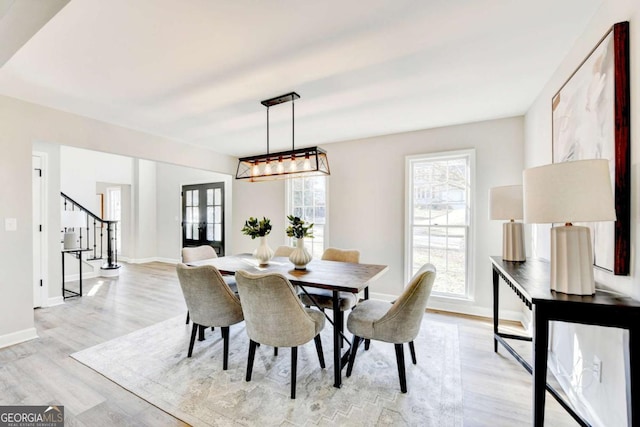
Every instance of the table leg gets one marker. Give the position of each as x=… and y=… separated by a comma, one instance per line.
x=80, y=268
x=540, y=344
x=496, y=289
x=633, y=383
x=337, y=338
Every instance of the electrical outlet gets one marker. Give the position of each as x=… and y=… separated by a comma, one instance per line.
x=597, y=369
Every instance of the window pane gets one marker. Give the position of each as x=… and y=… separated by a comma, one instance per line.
x=209, y=232
x=196, y=197
x=218, y=214
x=189, y=215
x=209, y=197
x=440, y=213
x=189, y=198
x=217, y=232
x=188, y=231
x=218, y=196
x=209, y=214
x=196, y=232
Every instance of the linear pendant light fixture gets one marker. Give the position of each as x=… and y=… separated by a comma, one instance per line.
x=311, y=161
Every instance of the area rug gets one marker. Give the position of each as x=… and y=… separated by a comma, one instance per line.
x=152, y=364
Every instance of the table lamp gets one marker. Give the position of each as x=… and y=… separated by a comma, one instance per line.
x=568, y=192
x=506, y=203
x=71, y=220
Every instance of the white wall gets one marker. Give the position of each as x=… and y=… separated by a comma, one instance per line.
x=81, y=169
x=574, y=346
x=24, y=124
x=367, y=199
x=170, y=179
x=145, y=232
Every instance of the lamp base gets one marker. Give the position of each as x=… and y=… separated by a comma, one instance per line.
x=572, y=260
x=513, y=242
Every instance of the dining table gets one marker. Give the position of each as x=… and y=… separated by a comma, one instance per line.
x=334, y=276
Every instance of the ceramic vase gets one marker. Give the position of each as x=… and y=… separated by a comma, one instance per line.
x=263, y=252
x=300, y=256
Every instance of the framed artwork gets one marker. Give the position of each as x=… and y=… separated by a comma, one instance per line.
x=590, y=119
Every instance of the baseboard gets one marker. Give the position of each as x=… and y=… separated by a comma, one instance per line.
x=54, y=301
x=462, y=307
x=168, y=260
x=18, y=337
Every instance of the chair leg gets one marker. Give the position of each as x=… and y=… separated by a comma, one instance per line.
x=318, y=342
x=252, y=353
x=187, y=322
x=413, y=352
x=225, y=339
x=294, y=368
x=275, y=351
x=401, y=371
x=352, y=356
x=367, y=343
x=201, y=333
x=194, y=330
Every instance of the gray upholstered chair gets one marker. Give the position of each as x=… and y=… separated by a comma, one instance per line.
x=274, y=316
x=283, y=251
x=322, y=298
x=210, y=301
x=199, y=253
x=398, y=322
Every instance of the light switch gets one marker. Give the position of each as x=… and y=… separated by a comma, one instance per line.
x=10, y=224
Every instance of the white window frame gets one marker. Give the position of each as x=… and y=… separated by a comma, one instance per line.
x=408, y=255
x=289, y=211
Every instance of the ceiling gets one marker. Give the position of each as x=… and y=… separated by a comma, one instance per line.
x=196, y=71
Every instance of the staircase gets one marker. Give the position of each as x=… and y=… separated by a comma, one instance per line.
x=97, y=236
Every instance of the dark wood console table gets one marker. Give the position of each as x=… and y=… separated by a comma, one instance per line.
x=530, y=281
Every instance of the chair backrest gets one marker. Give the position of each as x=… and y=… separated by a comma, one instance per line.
x=402, y=322
x=283, y=251
x=344, y=255
x=273, y=313
x=208, y=297
x=198, y=253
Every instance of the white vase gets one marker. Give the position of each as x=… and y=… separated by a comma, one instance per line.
x=300, y=256
x=263, y=252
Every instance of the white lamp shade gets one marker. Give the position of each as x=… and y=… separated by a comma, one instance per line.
x=578, y=191
x=73, y=219
x=505, y=202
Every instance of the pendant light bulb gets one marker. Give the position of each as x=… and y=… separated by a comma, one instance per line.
x=280, y=165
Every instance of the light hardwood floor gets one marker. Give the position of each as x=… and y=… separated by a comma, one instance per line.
x=496, y=389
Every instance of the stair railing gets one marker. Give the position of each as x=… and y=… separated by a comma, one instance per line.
x=94, y=241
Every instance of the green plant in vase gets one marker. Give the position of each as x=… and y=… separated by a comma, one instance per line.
x=299, y=229
x=254, y=227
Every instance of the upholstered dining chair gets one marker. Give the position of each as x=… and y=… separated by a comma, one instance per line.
x=199, y=253
x=274, y=316
x=210, y=301
x=283, y=251
x=322, y=298
x=398, y=322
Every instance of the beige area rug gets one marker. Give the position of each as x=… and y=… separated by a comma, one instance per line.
x=152, y=364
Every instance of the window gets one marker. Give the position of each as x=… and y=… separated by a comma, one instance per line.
x=307, y=199
x=439, y=218
x=114, y=212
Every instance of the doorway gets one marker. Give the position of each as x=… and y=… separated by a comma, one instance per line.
x=38, y=206
x=203, y=216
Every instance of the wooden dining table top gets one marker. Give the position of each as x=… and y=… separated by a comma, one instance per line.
x=331, y=275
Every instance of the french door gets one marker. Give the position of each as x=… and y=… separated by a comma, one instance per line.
x=203, y=215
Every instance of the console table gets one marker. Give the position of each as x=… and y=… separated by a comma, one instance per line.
x=78, y=254
x=530, y=281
